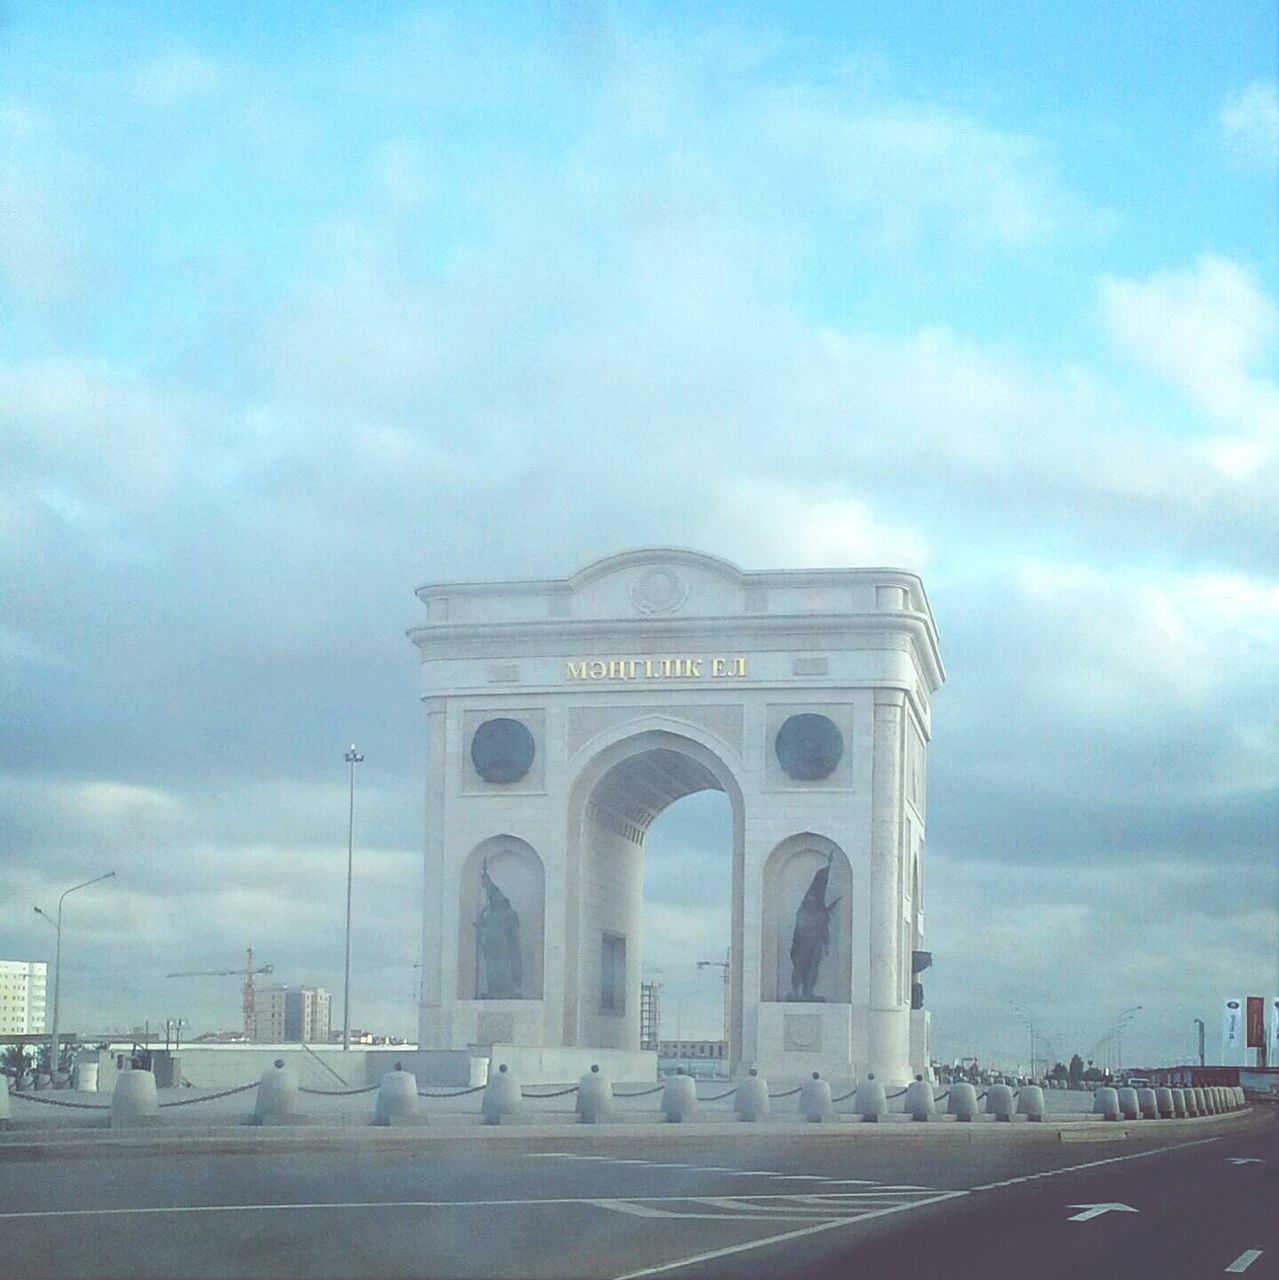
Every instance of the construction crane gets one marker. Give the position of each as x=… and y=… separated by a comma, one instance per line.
x=250, y=991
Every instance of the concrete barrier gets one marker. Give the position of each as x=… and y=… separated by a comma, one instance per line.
x=1163, y=1102
x=502, y=1101
x=84, y=1076
x=134, y=1103
x=1148, y=1104
x=1105, y=1103
x=1129, y=1105
x=1239, y=1097
x=1210, y=1101
x=869, y=1101
x=277, y=1100
x=999, y=1101
x=962, y=1103
x=751, y=1102
x=919, y=1104
x=594, y=1096
x=1178, y=1103
x=6, y=1115
x=397, y=1102
x=1188, y=1101
x=679, y=1098
x=1030, y=1102
x=814, y=1100
x=1201, y=1102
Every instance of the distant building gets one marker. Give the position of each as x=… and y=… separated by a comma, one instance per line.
x=291, y=1015
x=22, y=997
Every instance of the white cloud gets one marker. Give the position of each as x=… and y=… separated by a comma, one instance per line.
x=177, y=78
x=1203, y=330
x=1249, y=123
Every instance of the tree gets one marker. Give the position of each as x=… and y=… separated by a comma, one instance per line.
x=15, y=1063
x=1059, y=1071
x=1076, y=1069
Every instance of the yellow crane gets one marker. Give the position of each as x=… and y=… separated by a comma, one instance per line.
x=250, y=992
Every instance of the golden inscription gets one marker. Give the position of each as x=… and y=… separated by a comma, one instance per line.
x=681, y=668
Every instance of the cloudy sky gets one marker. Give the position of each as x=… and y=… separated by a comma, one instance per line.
x=301, y=306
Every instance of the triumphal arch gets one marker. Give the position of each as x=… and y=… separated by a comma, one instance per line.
x=564, y=715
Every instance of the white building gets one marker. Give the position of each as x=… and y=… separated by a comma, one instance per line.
x=22, y=997
x=562, y=716
x=291, y=1015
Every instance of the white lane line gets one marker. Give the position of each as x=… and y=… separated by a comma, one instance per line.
x=778, y=1239
x=1244, y=1260
x=1092, y=1164
x=527, y=1203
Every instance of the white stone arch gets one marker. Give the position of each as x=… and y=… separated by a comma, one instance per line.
x=517, y=870
x=623, y=779
x=788, y=872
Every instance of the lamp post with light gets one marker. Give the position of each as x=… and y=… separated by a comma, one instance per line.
x=352, y=757
x=57, y=971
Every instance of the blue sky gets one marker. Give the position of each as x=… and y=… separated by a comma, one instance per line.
x=301, y=306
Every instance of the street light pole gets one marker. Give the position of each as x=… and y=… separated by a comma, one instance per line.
x=352, y=757
x=57, y=972
x=1199, y=1022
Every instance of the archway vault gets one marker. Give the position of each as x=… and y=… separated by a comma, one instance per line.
x=620, y=792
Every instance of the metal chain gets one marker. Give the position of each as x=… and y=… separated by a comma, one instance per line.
x=716, y=1097
x=209, y=1097
x=537, y=1097
x=643, y=1093
x=458, y=1093
x=339, y=1093
x=57, y=1102
x=790, y=1093
x=843, y=1097
x=898, y=1094
x=942, y=1097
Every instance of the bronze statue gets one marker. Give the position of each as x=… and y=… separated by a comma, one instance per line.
x=497, y=931
x=811, y=939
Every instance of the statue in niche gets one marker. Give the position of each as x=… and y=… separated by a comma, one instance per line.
x=811, y=939
x=497, y=935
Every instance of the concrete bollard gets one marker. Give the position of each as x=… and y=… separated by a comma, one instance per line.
x=751, y=1102
x=277, y=1100
x=1188, y=1101
x=869, y=1101
x=1148, y=1104
x=1105, y=1103
x=1178, y=1103
x=134, y=1103
x=919, y=1103
x=1164, y=1104
x=502, y=1101
x=1201, y=1102
x=679, y=1098
x=1210, y=1101
x=594, y=1096
x=1129, y=1104
x=999, y=1101
x=397, y=1103
x=84, y=1076
x=1239, y=1097
x=6, y=1113
x=814, y=1100
x=962, y=1103
x=1030, y=1102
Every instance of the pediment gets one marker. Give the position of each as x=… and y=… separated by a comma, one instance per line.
x=655, y=583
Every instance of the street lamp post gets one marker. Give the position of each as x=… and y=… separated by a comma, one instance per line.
x=1199, y=1022
x=726, y=968
x=57, y=971
x=352, y=757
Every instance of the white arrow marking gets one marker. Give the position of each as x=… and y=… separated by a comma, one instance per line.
x=1244, y=1260
x=1244, y=1160
x=1096, y=1210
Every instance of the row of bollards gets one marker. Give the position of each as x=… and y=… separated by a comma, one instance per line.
x=135, y=1102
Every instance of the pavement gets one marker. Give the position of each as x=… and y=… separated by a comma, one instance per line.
x=1168, y=1199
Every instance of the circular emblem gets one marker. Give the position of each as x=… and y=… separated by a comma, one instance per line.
x=809, y=747
x=502, y=750
x=658, y=591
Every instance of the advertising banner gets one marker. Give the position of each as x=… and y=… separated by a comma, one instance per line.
x=1256, y=1022
x=1232, y=1033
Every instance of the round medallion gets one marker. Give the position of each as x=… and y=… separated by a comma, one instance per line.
x=658, y=590
x=502, y=750
x=809, y=747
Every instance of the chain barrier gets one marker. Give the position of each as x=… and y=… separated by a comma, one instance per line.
x=900, y=1093
x=537, y=1097
x=209, y=1097
x=981, y=1095
x=716, y=1097
x=457, y=1093
x=57, y=1102
x=643, y=1093
x=843, y=1097
x=790, y=1093
x=338, y=1093
x=943, y=1097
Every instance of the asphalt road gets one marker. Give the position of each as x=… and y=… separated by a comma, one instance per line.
x=785, y=1205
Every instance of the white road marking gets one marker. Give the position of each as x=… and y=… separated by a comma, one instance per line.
x=730, y=1250
x=1092, y=1164
x=1244, y=1160
x=1244, y=1260
x=1091, y=1211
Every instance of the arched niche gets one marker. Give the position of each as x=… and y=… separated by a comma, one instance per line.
x=517, y=873
x=788, y=875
